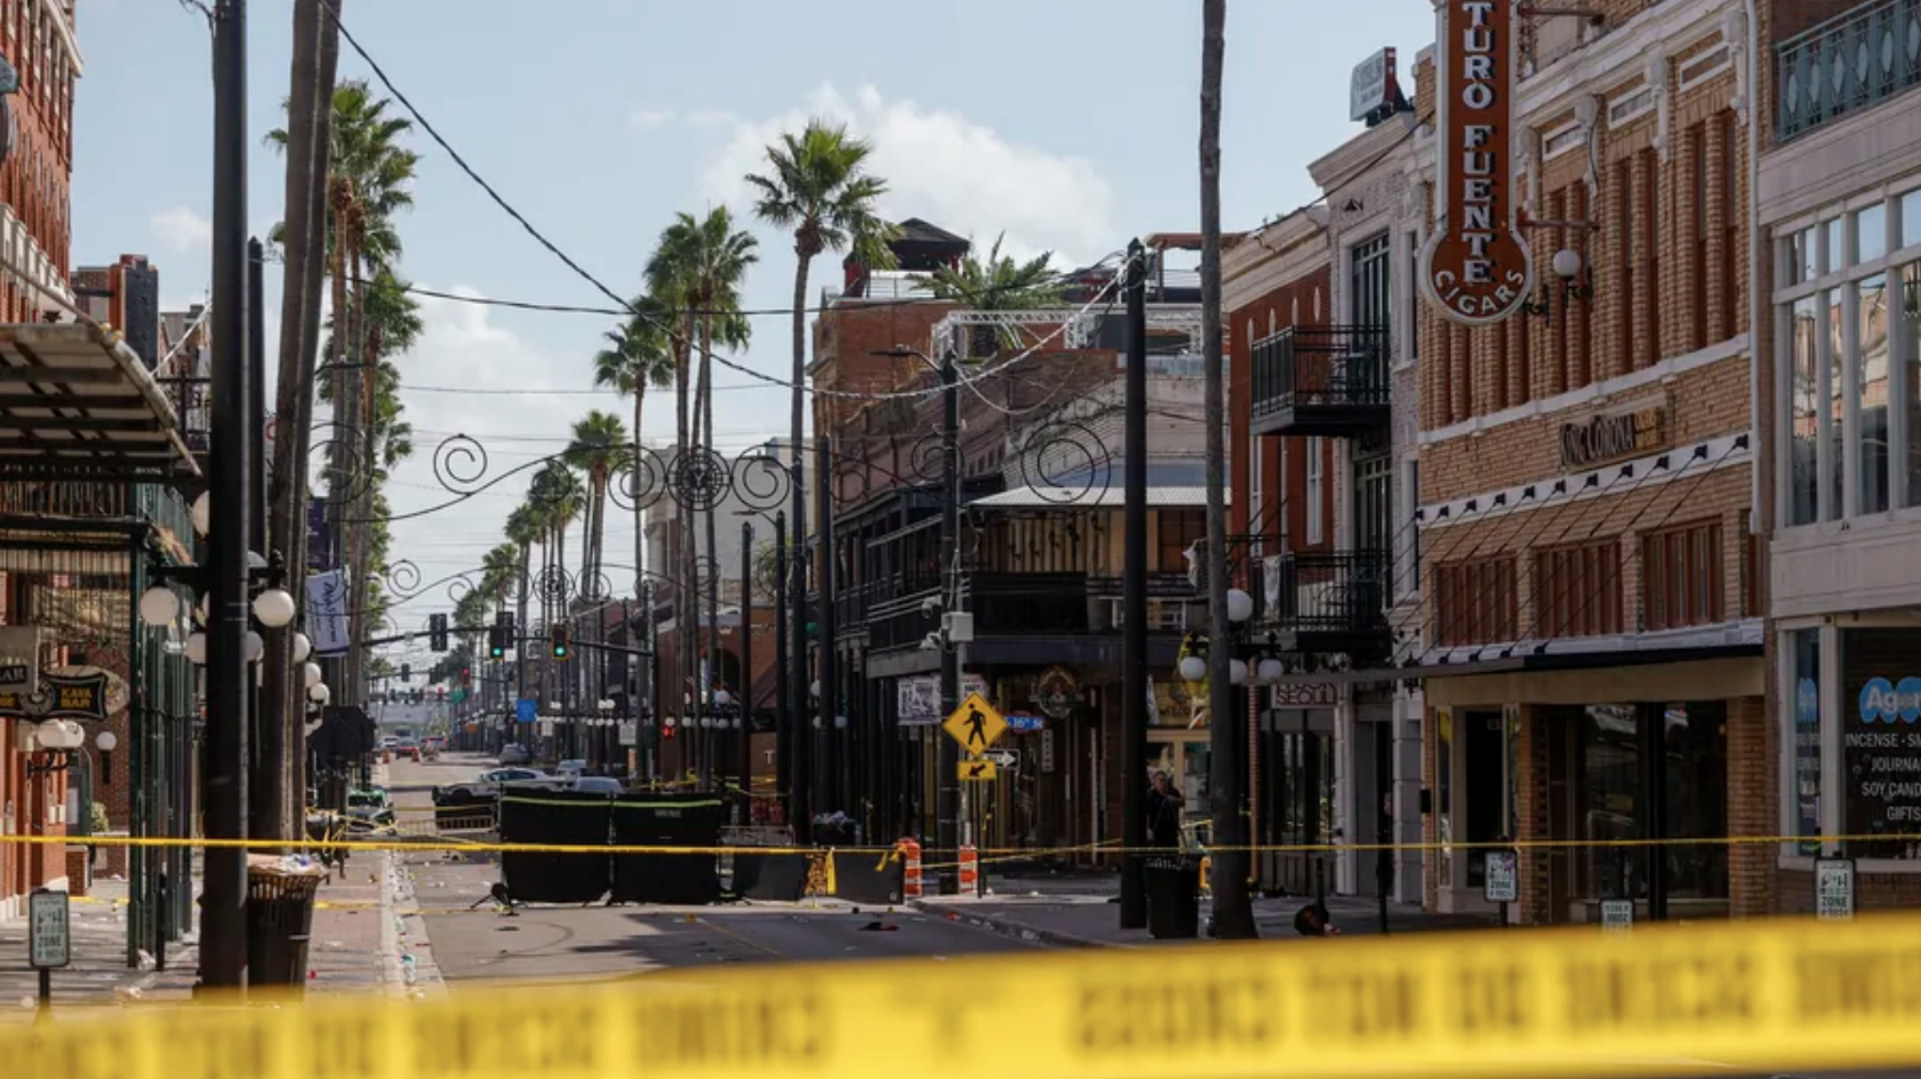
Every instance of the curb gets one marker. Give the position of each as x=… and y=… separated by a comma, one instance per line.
x=1009, y=927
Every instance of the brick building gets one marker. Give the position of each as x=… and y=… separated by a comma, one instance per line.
x=36, y=127
x=1592, y=642
x=1838, y=198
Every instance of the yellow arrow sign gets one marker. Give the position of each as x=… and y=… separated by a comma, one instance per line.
x=979, y=771
x=975, y=725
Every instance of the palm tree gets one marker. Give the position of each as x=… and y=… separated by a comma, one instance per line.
x=497, y=571
x=997, y=283
x=599, y=449
x=639, y=355
x=817, y=186
x=523, y=531
x=369, y=183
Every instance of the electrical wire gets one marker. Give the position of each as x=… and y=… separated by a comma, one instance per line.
x=584, y=274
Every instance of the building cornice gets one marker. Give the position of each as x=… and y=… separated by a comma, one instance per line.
x=1279, y=254
x=1353, y=158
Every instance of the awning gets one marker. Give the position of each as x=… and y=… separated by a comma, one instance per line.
x=1094, y=495
x=77, y=402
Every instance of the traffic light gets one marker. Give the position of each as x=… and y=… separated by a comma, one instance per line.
x=406, y=672
x=443, y=692
x=561, y=637
x=437, y=632
x=497, y=641
x=466, y=676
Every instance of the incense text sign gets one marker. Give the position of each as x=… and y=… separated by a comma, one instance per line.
x=1476, y=267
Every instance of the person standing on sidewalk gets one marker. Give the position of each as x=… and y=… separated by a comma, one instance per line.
x=1164, y=804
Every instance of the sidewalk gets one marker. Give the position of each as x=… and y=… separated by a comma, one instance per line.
x=1086, y=914
x=365, y=940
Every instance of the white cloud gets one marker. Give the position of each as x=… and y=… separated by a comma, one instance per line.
x=648, y=119
x=947, y=169
x=711, y=118
x=182, y=229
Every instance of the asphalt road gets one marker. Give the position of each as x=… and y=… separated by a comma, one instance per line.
x=542, y=944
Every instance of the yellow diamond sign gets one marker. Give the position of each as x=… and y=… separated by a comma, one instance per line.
x=975, y=725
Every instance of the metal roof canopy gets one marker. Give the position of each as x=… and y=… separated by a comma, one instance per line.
x=75, y=399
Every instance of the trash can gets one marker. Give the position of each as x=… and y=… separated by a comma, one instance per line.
x=1173, y=897
x=280, y=905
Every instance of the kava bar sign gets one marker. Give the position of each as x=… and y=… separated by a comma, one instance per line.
x=1476, y=267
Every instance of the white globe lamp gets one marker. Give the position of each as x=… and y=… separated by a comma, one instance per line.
x=1270, y=670
x=302, y=647
x=1240, y=605
x=274, y=608
x=106, y=740
x=319, y=693
x=203, y=512
x=159, y=606
x=1236, y=672
x=196, y=648
x=252, y=646
x=310, y=675
x=1193, y=668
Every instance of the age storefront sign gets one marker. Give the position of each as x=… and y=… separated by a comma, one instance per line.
x=1476, y=266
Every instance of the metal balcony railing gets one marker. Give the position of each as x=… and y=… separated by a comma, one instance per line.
x=1332, y=601
x=1854, y=61
x=1327, y=380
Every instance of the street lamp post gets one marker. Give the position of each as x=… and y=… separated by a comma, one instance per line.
x=744, y=761
x=223, y=920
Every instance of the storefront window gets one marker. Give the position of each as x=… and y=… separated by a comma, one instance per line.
x=1804, y=653
x=1611, y=762
x=1653, y=771
x=1881, y=742
x=1443, y=805
x=1834, y=391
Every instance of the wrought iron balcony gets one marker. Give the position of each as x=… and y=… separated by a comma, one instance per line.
x=1329, y=601
x=1320, y=380
x=1854, y=61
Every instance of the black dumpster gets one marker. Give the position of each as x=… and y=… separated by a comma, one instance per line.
x=647, y=819
x=279, y=924
x=868, y=877
x=561, y=818
x=1173, y=897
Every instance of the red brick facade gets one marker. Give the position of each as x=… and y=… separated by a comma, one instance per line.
x=34, y=179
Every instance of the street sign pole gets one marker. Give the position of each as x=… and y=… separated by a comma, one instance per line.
x=975, y=726
x=49, y=944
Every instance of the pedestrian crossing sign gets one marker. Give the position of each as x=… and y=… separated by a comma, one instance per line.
x=975, y=725
x=979, y=770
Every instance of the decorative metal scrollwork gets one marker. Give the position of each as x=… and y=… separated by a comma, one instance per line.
x=460, y=464
x=1064, y=463
x=339, y=448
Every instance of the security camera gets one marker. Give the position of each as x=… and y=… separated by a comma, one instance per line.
x=930, y=605
x=930, y=643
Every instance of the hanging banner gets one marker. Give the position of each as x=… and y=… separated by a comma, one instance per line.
x=327, y=612
x=1477, y=266
x=320, y=552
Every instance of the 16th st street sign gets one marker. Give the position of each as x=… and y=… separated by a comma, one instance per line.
x=1476, y=267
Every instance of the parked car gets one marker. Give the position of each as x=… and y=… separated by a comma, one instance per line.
x=515, y=754
x=596, y=785
x=571, y=768
x=407, y=750
x=492, y=782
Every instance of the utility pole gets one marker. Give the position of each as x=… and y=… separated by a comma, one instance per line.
x=744, y=760
x=316, y=51
x=783, y=714
x=799, y=809
x=267, y=786
x=1134, y=681
x=830, y=769
x=223, y=918
x=1233, y=912
x=948, y=808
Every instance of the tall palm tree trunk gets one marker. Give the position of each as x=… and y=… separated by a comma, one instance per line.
x=687, y=596
x=797, y=742
x=641, y=591
x=713, y=550
x=1233, y=912
x=340, y=481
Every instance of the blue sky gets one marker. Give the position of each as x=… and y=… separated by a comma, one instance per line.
x=1070, y=124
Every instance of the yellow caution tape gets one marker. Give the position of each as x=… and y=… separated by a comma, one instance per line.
x=1754, y=996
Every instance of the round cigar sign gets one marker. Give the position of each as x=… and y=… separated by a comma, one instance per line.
x=1476, y=266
